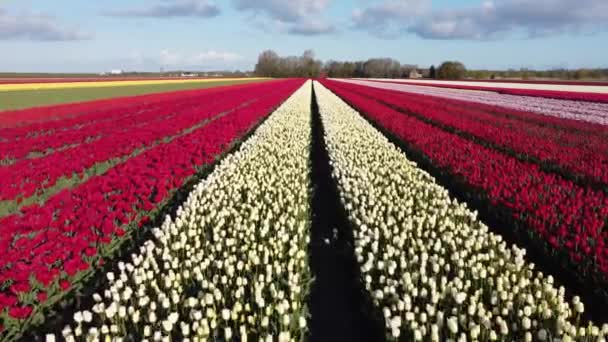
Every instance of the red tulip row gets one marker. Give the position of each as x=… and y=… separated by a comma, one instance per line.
x=35, y=118
x=18, y=142
x=579, y=155
x=26, y=177
x=571, y=218
x=34, y=122
x=551, y=94
x=45, y=248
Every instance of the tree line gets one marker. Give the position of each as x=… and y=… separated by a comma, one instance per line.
x=560, y=73
x=390, y=68
x=270, y=64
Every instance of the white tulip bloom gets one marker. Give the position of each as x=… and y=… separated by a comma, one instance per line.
x=252, y=210
x=453, y=325
x=413, y=240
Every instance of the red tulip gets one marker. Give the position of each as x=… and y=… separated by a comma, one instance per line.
x=557, y=209
x=76, y=222
x=20, y=312
x=42, y=297
x=64, y=284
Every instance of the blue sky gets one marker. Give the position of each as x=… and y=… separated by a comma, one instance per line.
x=94, y=36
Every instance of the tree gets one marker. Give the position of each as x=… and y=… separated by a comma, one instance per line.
x=382, y=68
x=432, y=72
x=312, y=67
x=451, y=70
x=348, y=69
x=268, y=64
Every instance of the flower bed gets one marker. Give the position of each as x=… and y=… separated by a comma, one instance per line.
x=587, y=112
x=549, y=94
x=29, y=176
x=567, y=217
x=233, y=264
x=18, y=142
x=41, y=115
x=434, y=270
x=48, y=249
x=573, y=154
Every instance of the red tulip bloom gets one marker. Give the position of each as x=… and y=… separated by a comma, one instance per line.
x=502, y=156
x=20, y=312
x=42, y=296
x=64, y=284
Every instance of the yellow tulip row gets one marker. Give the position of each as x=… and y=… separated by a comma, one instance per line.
x=97, y=84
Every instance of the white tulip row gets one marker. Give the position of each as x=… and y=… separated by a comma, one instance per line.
x=432, y=268
x=233, y=264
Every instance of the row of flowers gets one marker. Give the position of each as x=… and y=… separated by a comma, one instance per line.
x=540, y=82
x=75, y=116
x=530, y=116
x=232, y=265
x=581, y=155
x=432, y=268
x=20, y=142
x=27, y=177
x=544, y=93
x=47, y=249
x=569, y=218
x=38, y=117
x=587, y=112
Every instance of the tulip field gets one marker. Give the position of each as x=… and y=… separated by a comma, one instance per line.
x=26, y=93
x=307, y=210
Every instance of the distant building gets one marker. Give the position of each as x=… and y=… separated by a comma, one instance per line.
x=189, y=74
x=116, y=72
x=414, y=74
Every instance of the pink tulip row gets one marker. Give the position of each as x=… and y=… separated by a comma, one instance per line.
x=531, y=92
x=582, y=156
x=585, y=111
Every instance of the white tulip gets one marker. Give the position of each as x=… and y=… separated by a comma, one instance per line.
x=452, y=260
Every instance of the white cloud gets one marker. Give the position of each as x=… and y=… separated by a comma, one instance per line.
x=311, y=27
x=40, y=27
x=205, y=59
x=215, y=56
x=387, y=19
x=489, y=20
x=170, y=9
x=302, y=17
x=288, y=11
